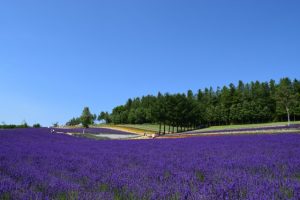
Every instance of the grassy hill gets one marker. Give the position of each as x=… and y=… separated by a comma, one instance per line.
x=133, y=128
x=153, y=128
x=245, y=126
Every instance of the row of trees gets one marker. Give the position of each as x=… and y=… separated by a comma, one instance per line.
x=86, y=119
x=23, y=125
x=254, y=102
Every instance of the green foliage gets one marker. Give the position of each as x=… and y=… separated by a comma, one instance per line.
x=103, y=187
x=36, y=125
x=74, y=121
x=287, y=192
x=5, y=196
x=71, y=195
x=104, y=116
x=297, y=175
x=286, y=97
x=86, y=117
x=200, y=176
x=55, y=124
x=11, y=126
x=245, y=103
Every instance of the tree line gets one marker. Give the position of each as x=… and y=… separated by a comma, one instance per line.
x=244, y=103
x=23, y=125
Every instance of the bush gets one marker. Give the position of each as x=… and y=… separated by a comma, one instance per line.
x=24, y=125
x=36, y=125
x=8, y=126
x=55, y=125
x=11, y=126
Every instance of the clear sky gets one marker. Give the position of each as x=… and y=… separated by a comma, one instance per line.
x=57, y=56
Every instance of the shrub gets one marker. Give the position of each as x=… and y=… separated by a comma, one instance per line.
x=36, y=125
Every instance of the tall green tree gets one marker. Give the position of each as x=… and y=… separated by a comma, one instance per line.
x=285, y=97
x=104, y=116
x=86, y=117
x=74, y=121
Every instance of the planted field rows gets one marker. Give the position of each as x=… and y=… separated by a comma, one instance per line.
x=35, y=164
x=91, y=131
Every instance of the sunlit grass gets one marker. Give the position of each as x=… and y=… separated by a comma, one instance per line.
x=154, y=128
x=211, y=128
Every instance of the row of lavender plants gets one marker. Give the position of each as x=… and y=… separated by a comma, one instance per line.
x=91, y=131
x=35, y=164
x=292, y=126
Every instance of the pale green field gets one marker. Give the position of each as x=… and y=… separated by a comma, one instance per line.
x=213, y=128
x=155, y=127
x=148, y=127
x=133, y=128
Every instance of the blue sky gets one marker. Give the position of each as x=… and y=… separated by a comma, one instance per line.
x=58, y=56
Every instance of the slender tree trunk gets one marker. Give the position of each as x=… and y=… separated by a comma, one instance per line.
x=294, y=117
x=164, y=128
x=169, y=128
x=288, y=115
x=159, y=128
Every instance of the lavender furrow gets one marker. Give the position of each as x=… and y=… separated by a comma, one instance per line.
x=35, y=164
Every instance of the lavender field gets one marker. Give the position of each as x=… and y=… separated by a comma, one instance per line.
x=35, y=164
